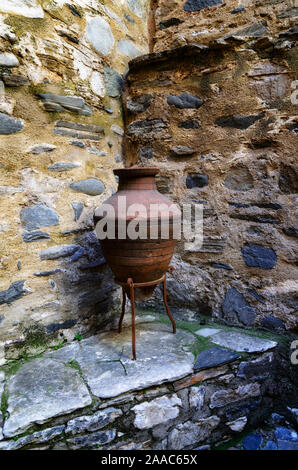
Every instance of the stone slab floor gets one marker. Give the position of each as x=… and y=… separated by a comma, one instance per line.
x=97, y=372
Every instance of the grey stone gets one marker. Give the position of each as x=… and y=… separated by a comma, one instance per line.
x=99, y=358
x=35, y=236
x=273, y=323
x=258, y=256
x=290, y=231
x=185, y=100
x=291, y=13
x=48, y=273
x=189, y=433
x=196, y=180
x=170, y=22
x=37, y=216
x=255, y=30
x=15, y=291
x=92, y=422
x=252, y=441
x=257, y=369
x=41, y=148
x=241, y=342
x=77, y=143
x=128, y=49
x=90, y=186
x=197, y=397
x=146, y=153
x=182, y=150
x=238, y=10
x=151, y=413
x=113, y=82
x=63, y=166
x=129, y=18
x=270, y=445
x=214, y=357
x=58, y=103
x=238, y=424
x=78, y=126
x=197, y=5
x=189, y=124
x=7, y=59
x=281, y=432
x=238, y=122
x=227, y=267
x=150, y=126
x=99, y=34
x=137, y=7
x=288, y=179
x=286, y=445
x=139, y=104
x=92, y=440
x=236, y=310
x=41, y=389
x=53, y=327
x=206, y=332
x=10, y=125
x=95, y=151
x=222, y=398
x=78, y=208
x=117, y=130
x=37, y=437
x=60, y=251
x=12, y=79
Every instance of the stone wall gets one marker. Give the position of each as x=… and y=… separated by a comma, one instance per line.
x=97, y=397
x=61, y=73
x=214, y=106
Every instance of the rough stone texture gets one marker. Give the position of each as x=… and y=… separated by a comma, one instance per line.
x=99, y=34
x=35, y=236
x=93, y=422
x=90, y=186
x=40, y=390
x=258, y=256
x=60, y=73
x=10, y=125
x=158, y=411
x=37, y=216
x=236, y=310
x=37, y=438
x=238, y=424
x=109, y=370
x=239, y=61
x=190, y=433
x=222, y=398
x=60, y=251
x=214, y=357
x=242, y=343
x=93, y=440
x=15, y=291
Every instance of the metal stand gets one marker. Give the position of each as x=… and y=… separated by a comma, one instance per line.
x=130, y=285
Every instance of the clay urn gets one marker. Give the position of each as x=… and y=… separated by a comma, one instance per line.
x=143, y=224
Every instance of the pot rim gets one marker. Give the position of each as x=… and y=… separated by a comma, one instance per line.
x=135, y=171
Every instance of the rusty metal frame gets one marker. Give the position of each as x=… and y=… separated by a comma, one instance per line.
x=130, y=285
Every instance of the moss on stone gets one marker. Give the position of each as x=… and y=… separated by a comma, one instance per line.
x=38, y=26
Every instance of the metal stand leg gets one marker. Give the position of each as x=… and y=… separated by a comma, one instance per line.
x=167, y=305
x=123, y=310
x=133, y=326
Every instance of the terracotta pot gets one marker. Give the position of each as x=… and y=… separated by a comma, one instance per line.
x=143, y=260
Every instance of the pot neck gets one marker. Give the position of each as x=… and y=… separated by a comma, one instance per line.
x=139, y=183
